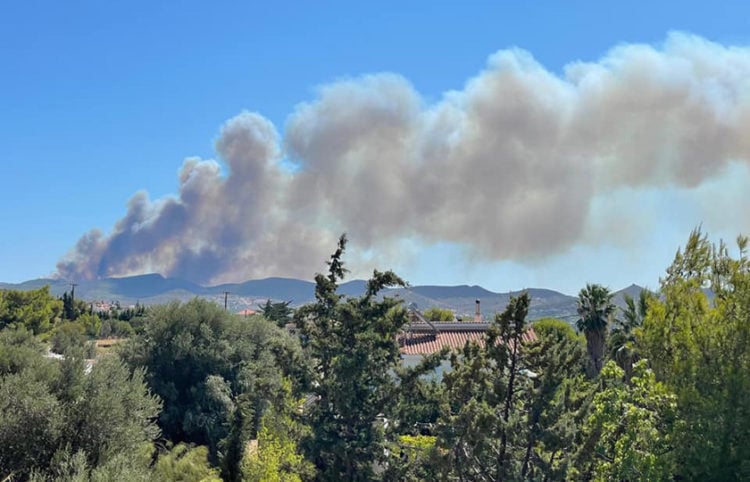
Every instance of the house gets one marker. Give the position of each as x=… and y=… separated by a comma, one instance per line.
x=423, y=337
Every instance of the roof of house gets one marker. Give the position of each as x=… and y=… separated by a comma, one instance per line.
x=425, y=339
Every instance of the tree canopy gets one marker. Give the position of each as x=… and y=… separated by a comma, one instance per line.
x=659, y=390
x=206, y=364
x=438, y=314
x=35, y=310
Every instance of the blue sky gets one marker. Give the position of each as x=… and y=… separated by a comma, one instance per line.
x=100, y=100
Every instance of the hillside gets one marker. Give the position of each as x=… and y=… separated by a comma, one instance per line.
x=155, y=289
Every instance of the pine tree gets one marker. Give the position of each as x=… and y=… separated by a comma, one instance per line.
x=353, y=344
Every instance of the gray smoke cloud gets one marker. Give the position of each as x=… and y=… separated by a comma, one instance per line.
x=508, y=166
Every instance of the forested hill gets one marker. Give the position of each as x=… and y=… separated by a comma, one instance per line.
x=155, y=289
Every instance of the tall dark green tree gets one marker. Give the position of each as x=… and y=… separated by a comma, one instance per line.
x=485, y=430
x=353, y=344
x=280, y=312
x=514, y=403
x=558, y=400
x=595, y=312
x=72, y=307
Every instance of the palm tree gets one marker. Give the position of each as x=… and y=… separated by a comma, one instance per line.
x=621, y=343
x=595, y=309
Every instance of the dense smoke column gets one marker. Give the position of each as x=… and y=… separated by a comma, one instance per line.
x=507, y=167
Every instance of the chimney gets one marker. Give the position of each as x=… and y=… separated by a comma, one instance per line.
x=477, y=314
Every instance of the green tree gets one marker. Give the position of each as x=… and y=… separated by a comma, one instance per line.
x=595, y=312
x=621, y=340
x=438, y=314
x=68, y=335
x=480, y=429
x=104, y=413
x=558, y=400
x=185, y=463
x=75, y=467
x=414, y=455
x=91, y=324
x=512, y=405
x=54, y=417
x=628, y=435
x=280, y=313
x=72, y=308
x=699, y=347
x=31, y=424
x=353, y=344
x=205, y=364
x=275, y=456
x=20, y=350
x=36, y=310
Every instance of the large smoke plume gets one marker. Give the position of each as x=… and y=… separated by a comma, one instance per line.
x=507, y=167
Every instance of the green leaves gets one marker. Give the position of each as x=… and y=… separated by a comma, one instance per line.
x=34, y=309
x=50, y=412
x=31, y=424
x=516, y=407
x=185, y=463
x=631, y=424
x=206, y=364
x=354, y=391
x=276, y=455
x=280, y=313
x=115, y=413
x=699, y=346
x=595, y=311
x=512, y=407
x=438, y=314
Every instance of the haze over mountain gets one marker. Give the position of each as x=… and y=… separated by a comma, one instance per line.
x=154, y=289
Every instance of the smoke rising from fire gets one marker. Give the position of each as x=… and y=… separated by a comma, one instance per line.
x=508, y=166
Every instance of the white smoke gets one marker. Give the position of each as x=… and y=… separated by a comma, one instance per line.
x=508, y=167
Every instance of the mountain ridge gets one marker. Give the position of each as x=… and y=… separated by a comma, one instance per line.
x=154, y=288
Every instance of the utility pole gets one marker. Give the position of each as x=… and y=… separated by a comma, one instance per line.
x=226, y=294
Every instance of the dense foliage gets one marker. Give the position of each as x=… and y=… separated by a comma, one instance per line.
x=35, y=310
x=658, y=389
x=355, y=356
x=438, y=314
x=280, y=312
x=510, y=406
x=207, y=366
x=52, y=412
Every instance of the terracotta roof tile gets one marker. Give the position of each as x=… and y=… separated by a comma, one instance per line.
x=425, y=343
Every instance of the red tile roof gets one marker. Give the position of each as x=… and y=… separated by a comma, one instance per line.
x=423, y=341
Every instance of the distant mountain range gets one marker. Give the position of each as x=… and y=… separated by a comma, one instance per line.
x=155, y=289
